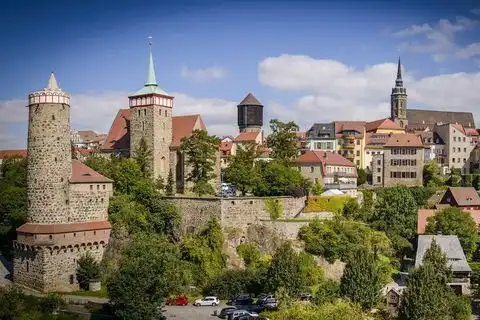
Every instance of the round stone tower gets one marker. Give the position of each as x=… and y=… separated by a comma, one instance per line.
x=49, y=155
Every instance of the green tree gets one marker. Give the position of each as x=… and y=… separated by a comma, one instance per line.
x=276, y=179
x=431, y=175
x=150, y=270
x=468, y=180
x=454, y=221
x=328, y=291
x=476, y=182
x=283, y=140
x=88, y=269
x=200, y=153
x=351, y=208
x=250, y=254
x=143, y=157
x=13, y=201
x=455, y=177
x=240, y=171
x=285, y=271
x=231, y=283
x=428, y=295
x=170, y=186
x=317, y=189
x=362, y=280
x=362, y=176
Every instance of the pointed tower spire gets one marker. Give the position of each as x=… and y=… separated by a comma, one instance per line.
x=52, y=82
x=399, y=80
x=151, y=79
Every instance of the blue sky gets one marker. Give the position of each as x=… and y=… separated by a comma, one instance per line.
x=211, y=53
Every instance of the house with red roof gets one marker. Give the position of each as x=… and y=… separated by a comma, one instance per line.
x=329, y=169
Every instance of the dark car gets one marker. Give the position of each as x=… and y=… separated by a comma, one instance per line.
x=243, y=299
x=270, y=304
x=226, y=312
x=177, y=301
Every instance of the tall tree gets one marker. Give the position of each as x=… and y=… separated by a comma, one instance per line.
x=283, y=140
x=362, y=176
x=143, y=157
x=285, y=271
x=431, y=175
x=453, y=221
x=428, y=295
x=455, y=177
x=240, y=171
x=362, y=279
x=275, y=178
x=170, y=186
x=200, y=153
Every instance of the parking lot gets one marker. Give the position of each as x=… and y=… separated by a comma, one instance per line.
x=191, y=312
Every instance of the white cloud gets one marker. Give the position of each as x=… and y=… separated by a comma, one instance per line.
x=206, y=74
x=331, y=90
x=439, y=40
x=96, y=111
x=475, y=11
x=469, y=51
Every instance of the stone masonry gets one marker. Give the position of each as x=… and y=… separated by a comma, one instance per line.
x=67, y=201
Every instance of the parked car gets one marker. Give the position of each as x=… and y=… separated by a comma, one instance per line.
x=243, y=299
x=177, y=301
x=250, y=318
x=263, y=297
x=207, y=301
x=238, y=313
x=270, y=304
x=306, y=297
x=226, y=312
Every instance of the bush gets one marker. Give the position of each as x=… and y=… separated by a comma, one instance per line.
x=331, y=204
x=88, y=269
x=274, y=207
x=296, y=192
x=328, y=291
x=232, y=283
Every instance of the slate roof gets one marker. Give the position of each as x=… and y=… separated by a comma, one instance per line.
x=428, y=118
x=118, y=137
x=450, y=245
x=250, y=100
x=463, y=196
x=321, y=131
x=430, y=137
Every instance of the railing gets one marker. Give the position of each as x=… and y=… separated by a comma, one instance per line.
x=348, y=145
x=341, y=185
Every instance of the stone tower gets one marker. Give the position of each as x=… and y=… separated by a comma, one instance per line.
x=398, y=100
x=151, y=119
x=250, y=114
x=67, y=209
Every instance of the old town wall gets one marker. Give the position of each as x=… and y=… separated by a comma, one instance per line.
x=89, y=201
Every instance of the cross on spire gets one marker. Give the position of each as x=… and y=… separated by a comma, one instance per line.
x=151, y=79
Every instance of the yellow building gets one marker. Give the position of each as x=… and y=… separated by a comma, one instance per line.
x=350, y=137
x=383, y=126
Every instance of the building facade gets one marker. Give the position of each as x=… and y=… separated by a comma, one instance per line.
x=401, y=162
x=67, y=202
x=458, y=145
x=321, y=137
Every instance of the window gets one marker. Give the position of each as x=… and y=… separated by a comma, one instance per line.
x=143, y=125
x=463, y=139
x=28, y=266
x=454, y=139
x=379, y=169
x=379, y=179
x=458, y=149
x=103, y=187
x=139, y=111
x=165, y=113
x=312, y=169
x=53, y=117
x=368, y=152
x=98, y=187
x=50, y=237
x=358, y=142
x=464, y=149
x=358, y=162
x=144, y=112
x=358, y=153
x=71, y=279
x=464, y=160
x=453, y=160
x=91, y=187
x=379, y=162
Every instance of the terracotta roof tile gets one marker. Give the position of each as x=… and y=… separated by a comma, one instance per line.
x=423, y=214
x=226, y=146
x=324, y=157
x=385, y=124
x=471, y=132
x=21, y=153
x=465, y=196
x=404, y=140
x=349, y=125
x=63, y=228
x=247, y=136
x=83, y=174
x=119, y=139
x=376, y=139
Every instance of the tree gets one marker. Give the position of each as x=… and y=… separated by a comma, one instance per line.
x=88, y=269
x=143, y=157
x=351, y=208
x=240, y=171
x=275, y=178
x=428, y=295
x=150, y=269
x=170, y=186
x=317, y=189
x=328, y=291
x=250, y=254
x=454, y=221
x=362, y=280
x=455, y=177
x=200, y=153
x=431, y=175
x=285, y=271
x=283, y=140
x=231, y=283
x=362, y=176
x=476, y=182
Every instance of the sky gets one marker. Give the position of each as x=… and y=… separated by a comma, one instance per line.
x=307, y=61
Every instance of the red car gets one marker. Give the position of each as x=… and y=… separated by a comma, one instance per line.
x=178, y=301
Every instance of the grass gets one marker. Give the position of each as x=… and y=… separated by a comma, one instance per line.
x=102, y=293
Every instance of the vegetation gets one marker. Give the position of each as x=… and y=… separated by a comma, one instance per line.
x=143, y=157
x=283, y=140
x=241, y=169
x=200, y=153
x=454, y=221
x=274, y=207
x=333, y=204
x=170, y=186
x=362, y=279
x=276, y=179
x=362, y=176
x=88, y=269
x=250, y=254
x=431, y=175
x=317, y=189
x=428, y=295
x=455, y=178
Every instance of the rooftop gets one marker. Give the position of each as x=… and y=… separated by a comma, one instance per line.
x=382, y=124
x=247, y=136
x=250, y=100
x=324, y=157
x=464, y=196
x=84, y=174
x=404, y=140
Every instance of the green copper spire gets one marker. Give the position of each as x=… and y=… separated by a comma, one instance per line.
x=151, y=80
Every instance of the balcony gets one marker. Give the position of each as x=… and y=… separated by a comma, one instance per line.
x=341, y=185
x=349, y=144
x=350, y=156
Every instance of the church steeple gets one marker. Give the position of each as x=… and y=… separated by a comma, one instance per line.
x=398, y=100
x=151, y=79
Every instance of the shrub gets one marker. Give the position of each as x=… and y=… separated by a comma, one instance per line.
x=331, y=204
x=296, y=192
x=274, y=207
x=88, y=269
x=232, y=283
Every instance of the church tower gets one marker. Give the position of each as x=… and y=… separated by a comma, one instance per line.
x=398, y=100
x=151, y=119
x=250, y=114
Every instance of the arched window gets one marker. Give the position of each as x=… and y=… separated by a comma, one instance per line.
x=163, y=164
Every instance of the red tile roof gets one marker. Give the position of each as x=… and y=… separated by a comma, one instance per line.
x=63, y=228
x=83, y=174
x=465, y=196
x=247, y=136
x=226, y=146
x=21, y=153
x=404, y=140
x=423, y=214
x=384, y=124
x=376, y=139
x=325, y=157
x=349, y=125
x=471, y=132
x=119, y=139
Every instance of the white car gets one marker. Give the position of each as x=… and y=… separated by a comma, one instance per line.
x=239, y=313
x=207, y=301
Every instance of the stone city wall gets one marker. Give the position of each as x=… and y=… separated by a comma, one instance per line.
x=89, y=201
